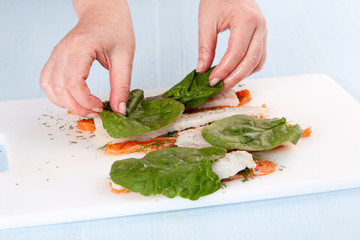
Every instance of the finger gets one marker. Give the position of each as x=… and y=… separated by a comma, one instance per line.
x=75, y=79
x=249, y=63
x=207, y=43
x=75, y=107
x=239, y=41
x=120, y=78
x=263, y=55
x=61, y=92
x=45, y=81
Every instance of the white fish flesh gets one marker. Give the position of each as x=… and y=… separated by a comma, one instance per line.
x=227, y=98
x=232, y=163
x=102, y=136
x=192, y=138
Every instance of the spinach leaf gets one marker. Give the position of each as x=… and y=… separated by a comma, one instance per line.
x=135, y=97
x=142, y=116
x=250, y=134
x=194, y=89
x=186, y=172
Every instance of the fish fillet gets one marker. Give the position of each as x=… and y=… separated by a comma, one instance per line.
x=224, y=167
x=227, y=98
x=192, y=138
x=185, y=121
x=190, y=120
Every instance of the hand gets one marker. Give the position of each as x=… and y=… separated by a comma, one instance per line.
x=246, y=51
x=104, y=33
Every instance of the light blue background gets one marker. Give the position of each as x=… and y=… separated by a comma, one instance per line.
x=305, y=36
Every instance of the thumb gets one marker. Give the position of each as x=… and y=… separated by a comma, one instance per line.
x=120, y=79
x=207, y=44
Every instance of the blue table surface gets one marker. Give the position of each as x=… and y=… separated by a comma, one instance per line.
x=305, y=36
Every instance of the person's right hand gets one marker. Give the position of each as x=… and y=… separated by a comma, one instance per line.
x=104, y=33
x=246, y=52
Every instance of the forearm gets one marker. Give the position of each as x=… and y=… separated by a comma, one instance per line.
x=101, y=8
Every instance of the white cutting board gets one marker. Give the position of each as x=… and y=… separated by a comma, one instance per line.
x=52, y=180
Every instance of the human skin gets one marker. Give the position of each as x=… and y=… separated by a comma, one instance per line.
x=246, y=52
x=104, y=33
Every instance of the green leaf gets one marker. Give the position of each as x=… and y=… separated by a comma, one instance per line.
x=186, y=172
x=250, y=134
x=194, y=89
x=142, y=115
x=136, y=96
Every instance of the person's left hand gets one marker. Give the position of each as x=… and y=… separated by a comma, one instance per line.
x=246, y=51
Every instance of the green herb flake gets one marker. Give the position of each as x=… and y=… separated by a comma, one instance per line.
x=103, y=147
x=170, y=134
x=157, y=144
x=246, y=174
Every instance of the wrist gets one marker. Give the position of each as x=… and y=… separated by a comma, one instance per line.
x=88, y=10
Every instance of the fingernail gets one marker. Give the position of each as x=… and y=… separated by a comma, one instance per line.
x=200, y=66
x=92, y=115
x=214, y=81
x=96, y=109
x=122, y=108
